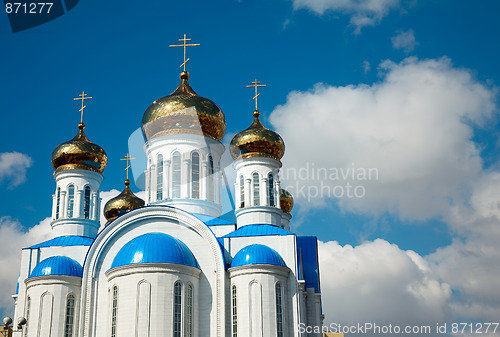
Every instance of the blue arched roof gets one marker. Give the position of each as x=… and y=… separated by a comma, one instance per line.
x=154, y=248
x=57, y=265
x=257, y=254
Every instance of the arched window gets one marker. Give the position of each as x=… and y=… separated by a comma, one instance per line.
x=177, y=309
x=86, y=203
x=242, y=191
x=70, y=316
x=58, y=201
x=176, y=175
x=270, y=189
x=159, y=178
x=71, y=200
x=211, y=178
x=234, y=313
x=189, y=311
x=279, y=311
x=27, y=316
x=114, y=311
x=195, y=175
x=256, y=189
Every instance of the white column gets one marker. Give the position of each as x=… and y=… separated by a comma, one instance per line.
x=204, y=178
x=62, y=205
x=217, y=183
x=77, y=206
x=54, y=205
x=166, y=179
x=185, y=178
x=248, y=192
x=148, y=186
x=93, y=206
x=264, y=200
x=276, y=189
x=237, y=194
x=152, y=181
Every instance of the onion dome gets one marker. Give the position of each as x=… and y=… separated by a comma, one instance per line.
x=183, y=111
x=154, y=248
x=122, y=203
x=257, y=141
x=257, y=254
x=79, y=153
x=57, y=265
x=286, y=200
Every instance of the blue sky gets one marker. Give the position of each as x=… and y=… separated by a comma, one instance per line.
x=335, y=72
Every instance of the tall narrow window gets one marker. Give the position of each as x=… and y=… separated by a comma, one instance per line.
x=176, y=175
x=211, y=178
x=177, y=309
x=70, y=316
x=242, y=191
x=86, y=203
x=71, y=200
x=195, y=175
x=189, y=311
x=58, y=201
x=159, y=178
x=279, y=311
x=27, y=316
x=234, y=311
x=256, y=189
x=114, y=311
x=270, y=189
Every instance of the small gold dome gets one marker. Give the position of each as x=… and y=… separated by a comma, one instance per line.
x=122, y=203
x=286, y=200
x=183, y=111
x=257, y=141
x=79, y=153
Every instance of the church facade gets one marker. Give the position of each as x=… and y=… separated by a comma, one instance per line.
x=170, y=265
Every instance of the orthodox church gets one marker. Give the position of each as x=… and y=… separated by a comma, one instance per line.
x=170, y=265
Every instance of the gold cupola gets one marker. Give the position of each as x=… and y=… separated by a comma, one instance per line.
x=286, y=201
x=183, y=112
x=257, y=141
x=124, y=202
x=79, y=154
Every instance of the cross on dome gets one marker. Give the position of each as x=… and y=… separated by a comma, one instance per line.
x=83, y=97
x=184, y=45
x=256, y=84
x=128, y=159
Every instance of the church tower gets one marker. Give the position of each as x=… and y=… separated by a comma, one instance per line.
x=257, y=152
x=78, y=165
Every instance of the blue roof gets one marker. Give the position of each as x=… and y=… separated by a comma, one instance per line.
x=211, y=221
x=65, y=241
x=307, y=252
x=258, y=230
x=257, y=254
x=57, y=265
x=154, y=248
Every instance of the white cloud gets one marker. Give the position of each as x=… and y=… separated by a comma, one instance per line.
x=13, y=167
x=380, y=283
x=366, y=66
x=404, y=40
x=413, y=128
x=14, y=238
x=362, y=12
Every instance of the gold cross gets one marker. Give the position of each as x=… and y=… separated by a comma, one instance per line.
x=128, y=159
x=256, y=84
x=184, y=40
x=83, y=97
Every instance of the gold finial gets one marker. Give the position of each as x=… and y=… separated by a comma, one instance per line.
x=128, y=159
x=184, y=40
x=83, y=97
x=256, y=84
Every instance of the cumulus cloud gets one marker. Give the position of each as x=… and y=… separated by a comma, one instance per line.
x=361, y=12
x=380, y=283
x=404, y=40
x=366, y=66
x=15, y=238
x=402, y=145
x=13, y=166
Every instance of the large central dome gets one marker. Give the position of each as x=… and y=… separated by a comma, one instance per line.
x=184, y=111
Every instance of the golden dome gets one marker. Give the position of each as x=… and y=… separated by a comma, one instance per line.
x=122, y=203
x=183, y=111
x=257, y=141
x=286, y=200
x=79, y=153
